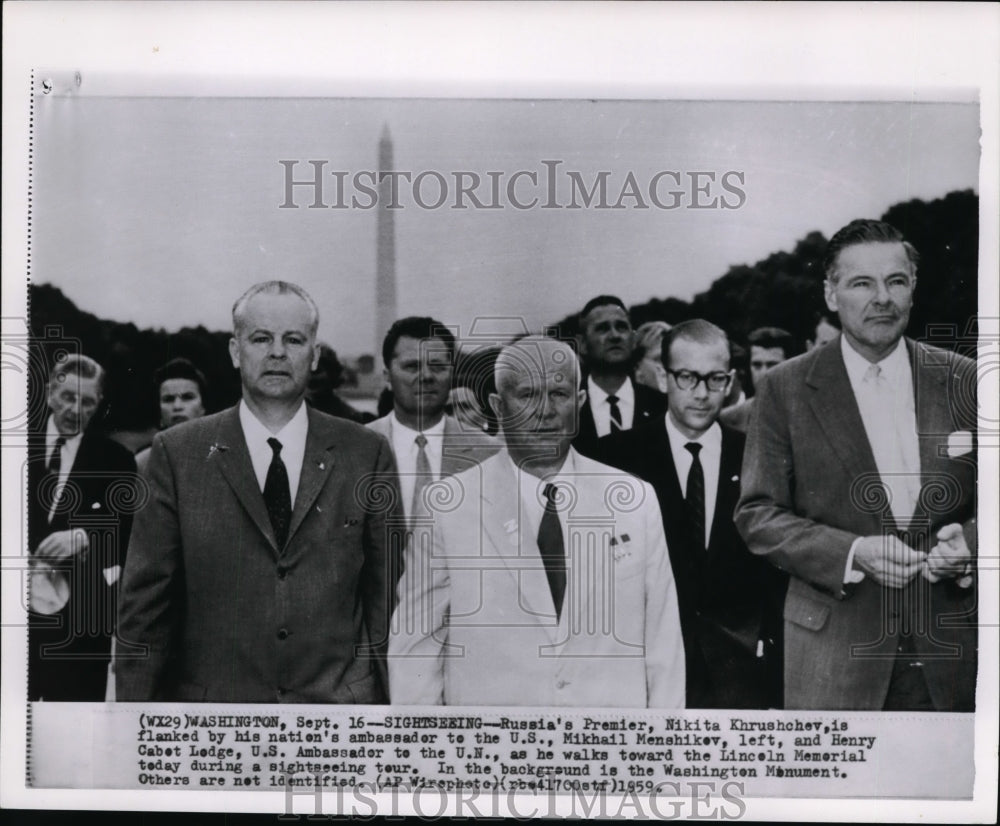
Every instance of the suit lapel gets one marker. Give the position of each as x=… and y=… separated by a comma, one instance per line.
x=933, y=414
x=457, y=450
x=509, y=533
x=675, y=518
x=233, y=460
x=836, y=411
x=728, y=491
x=317, y=464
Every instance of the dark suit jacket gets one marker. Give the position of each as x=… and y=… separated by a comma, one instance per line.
x=650, y=404
x=69, y=650
x=811, y=487
x=727, y=596
x=227, y=616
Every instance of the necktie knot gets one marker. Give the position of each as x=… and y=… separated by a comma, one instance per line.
x=275, y=447
x=694, y=448
x=421, y=441
x=616, y=413
x=612, y=399
x=551, y=493
x=874, y=373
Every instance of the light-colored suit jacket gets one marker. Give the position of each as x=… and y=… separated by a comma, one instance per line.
x=462, y=447
x=476, y=623
x=213, y=610
x=811, y=487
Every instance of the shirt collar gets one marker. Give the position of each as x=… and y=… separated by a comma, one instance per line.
x=52, y=433
x=436, y=431
x=565, y=472
x=254, y=430
x=710, y=440
x=625, y=393
x=894, y=366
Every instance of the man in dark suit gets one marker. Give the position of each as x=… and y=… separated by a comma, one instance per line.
x=419, y=357
x=854, y=483
x=81, y=493
x=614, y=401
x=262, y=569
x=727, y=596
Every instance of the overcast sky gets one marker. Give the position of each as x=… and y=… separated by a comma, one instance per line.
x=161, y=211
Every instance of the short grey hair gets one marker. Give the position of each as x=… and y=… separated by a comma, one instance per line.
x=77, y=365
x=274, y=288
x=515, y=355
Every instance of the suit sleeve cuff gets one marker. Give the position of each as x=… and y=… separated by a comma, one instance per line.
x=852, y=576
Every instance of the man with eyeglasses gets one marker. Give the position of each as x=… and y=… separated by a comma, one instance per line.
x=726, y=595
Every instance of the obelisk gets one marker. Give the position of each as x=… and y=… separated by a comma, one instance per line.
x=385, y=252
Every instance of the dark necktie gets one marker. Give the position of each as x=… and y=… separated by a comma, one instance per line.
x=616, y=413
x=55, y=460
x=695, y=497
x=550, y=543
x=422, y=480
x=52, y=471
x=277, y=495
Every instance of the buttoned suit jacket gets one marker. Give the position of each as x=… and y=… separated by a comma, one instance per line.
x=728, y=597
x=811, y=487
x=69, y=651
x=462, y=447
x=650, y=404
x=476, y=623
x=225, y=615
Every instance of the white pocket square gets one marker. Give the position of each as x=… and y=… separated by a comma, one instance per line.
x=959, y=443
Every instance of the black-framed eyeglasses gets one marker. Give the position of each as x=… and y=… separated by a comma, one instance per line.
x=689, y=379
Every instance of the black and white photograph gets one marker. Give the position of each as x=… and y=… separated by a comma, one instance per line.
x=577, y=434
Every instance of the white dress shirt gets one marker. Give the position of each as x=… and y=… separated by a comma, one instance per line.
x=293, y=445
x=67, y=455
x=406, y=450
x=601, y=408
x=888, y=413
x=532, y=492
x=710, y=458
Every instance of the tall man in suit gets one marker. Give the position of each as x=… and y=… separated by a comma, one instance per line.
x=614, y=400
x=419, y=357
x=547, y=581
x=262, y=568
x=849, y=486
x=81, y=491
x=727, y=595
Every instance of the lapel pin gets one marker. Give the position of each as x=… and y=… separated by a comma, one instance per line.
x=95, y=506
x=321, y=465
x=625, y=537
x=319, y=509
x=216, y=447
x=735, y=478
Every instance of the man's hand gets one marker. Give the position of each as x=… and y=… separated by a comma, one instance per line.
x=950, y=558
x=888, y=560
x=63, y=545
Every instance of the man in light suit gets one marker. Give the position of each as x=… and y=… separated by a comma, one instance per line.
x=728, y=597
x=419, y=357
x=547, y=581
x=614, y=400
x=82, y=489
x=262, y=568
x=852, y=483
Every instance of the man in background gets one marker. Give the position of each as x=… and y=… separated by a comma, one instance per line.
x=854, y=484
x=614, y=400
x=769, y=346
x=81, y=488
x=729, y=599
x=419, y=357
x=547, y=580
x=263, y=569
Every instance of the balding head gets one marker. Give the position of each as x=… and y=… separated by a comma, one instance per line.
x=537, y=401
